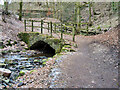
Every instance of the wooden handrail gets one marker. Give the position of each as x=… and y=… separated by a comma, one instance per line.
x=56, y=25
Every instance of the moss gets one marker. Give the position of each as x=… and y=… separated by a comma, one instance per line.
x=36, y=61
x=21, y=73
x=4, y=52
x=26, y=48
x=24, y=51
x=24, y=37
x=15, y=42
x=71, y=50
x=56, y=55
x=9, y=44
x=98, y=28
x=9, y=51
x=67, y=46
x=75, y=45
x=44, y=60
x=32, y=71
x=1, y=47
x=65, y=50
x=18, y=51
x=44, y=63
x=58, y=50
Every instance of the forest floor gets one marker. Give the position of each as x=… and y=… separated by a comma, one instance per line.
x=93, y=65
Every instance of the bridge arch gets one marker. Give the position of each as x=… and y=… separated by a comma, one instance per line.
x=43, y=46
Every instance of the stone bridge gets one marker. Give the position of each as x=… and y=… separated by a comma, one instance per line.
x=37, y=41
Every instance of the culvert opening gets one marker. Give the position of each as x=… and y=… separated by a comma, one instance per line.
x=43, y=47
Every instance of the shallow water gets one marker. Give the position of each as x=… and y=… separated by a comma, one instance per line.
x=21, y=62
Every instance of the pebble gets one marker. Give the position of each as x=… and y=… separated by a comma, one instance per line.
x=20, y=84
x=93, y=81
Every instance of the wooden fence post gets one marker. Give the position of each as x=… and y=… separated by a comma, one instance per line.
x=41, y=26
x=61, y=32
x=51, y=28
x=87, y=28
x=55, y=27
x=90, y=15
x=48, y=26
x=32, y=25
x=66, y=29
x=25, y=24
x=74, y=33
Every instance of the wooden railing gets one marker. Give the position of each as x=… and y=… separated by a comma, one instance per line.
x=52, y=27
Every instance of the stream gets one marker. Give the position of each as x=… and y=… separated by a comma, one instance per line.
x=19, y=64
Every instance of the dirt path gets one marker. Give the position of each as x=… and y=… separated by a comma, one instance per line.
x=92, y=66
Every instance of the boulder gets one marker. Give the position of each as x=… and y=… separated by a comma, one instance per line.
x=5, y=72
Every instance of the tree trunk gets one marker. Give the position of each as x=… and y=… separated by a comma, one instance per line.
x=77, y=17
x=90, y=22
x=6, y=7
x=20, y=12
x=5, y=11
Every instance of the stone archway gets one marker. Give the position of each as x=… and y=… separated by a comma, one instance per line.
x=42, y=46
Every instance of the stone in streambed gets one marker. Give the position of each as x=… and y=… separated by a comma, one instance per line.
x=10, y=62
x=29, y=66
x=6, y=81
x=5, y=72
x=20, y=84
x=22, y=72
x=2, y=86
x=36, y=61
x=11, y=81
x=5, y=85
x=12, y=68
x=2, y=65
